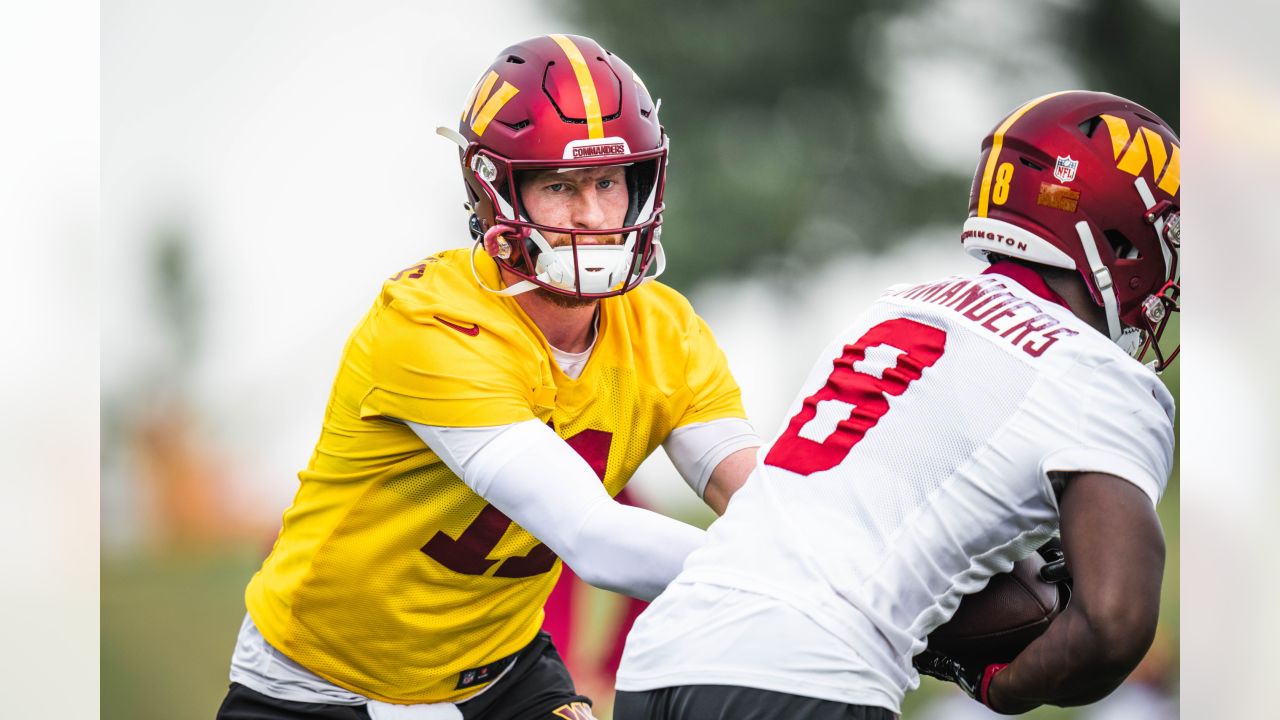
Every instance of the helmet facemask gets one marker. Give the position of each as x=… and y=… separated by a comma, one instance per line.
x=578, y=267
x=1156, y=311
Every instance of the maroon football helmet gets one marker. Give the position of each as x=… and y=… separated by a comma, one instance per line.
x=1089, y=181
x=562, y=102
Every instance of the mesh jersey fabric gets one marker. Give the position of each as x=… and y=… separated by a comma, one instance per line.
x=389, y=576
x=913, y=468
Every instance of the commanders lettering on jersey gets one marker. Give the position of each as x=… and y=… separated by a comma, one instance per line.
x=988, y=302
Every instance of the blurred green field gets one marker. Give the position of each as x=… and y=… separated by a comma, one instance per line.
x=169, y=623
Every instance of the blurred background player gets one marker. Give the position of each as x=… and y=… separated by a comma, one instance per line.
x=951, y=430
x=486, y=409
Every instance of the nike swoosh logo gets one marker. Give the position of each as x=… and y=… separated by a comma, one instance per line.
x=473, y=331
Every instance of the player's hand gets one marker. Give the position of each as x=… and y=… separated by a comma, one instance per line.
x=973, y=680
x=1055, y=568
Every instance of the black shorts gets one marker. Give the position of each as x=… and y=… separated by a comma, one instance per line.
x=537, y=686
x=728, y=702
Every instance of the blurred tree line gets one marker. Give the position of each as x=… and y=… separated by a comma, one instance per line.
x=783, y=147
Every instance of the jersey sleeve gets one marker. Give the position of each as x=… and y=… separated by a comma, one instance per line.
x=426, y=372
x=698, y=448
x=1125, y=429
x=714, y=392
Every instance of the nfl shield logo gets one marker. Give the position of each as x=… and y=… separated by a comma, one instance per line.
x=1065, y=170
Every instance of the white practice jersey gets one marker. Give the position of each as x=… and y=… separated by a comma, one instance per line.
x=915, y=465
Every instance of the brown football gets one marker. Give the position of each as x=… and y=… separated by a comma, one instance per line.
x=994, y=624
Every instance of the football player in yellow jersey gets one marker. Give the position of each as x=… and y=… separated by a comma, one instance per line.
x=486, y=410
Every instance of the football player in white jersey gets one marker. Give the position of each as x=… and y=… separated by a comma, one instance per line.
x=954, y=428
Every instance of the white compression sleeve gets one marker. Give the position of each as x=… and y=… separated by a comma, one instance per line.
x=456, y=446
x=531, y=475
x=697, y=448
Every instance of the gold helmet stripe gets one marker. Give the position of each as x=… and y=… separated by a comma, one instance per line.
x=590, y=101
x=984, y=192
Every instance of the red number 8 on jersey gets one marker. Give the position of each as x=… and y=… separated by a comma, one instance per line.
x=883, y=362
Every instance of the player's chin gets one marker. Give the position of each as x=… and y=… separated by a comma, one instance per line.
x=560, y=241
x=560, y=299
x=600, y=240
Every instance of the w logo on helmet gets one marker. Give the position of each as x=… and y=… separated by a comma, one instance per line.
x=1145, y=143
x=484, y=103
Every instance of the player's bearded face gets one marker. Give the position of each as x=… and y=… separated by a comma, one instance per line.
x=586, y=199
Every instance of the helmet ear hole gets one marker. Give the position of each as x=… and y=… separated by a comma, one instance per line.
x=1121, y=246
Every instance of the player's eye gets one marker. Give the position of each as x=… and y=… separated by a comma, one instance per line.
x=556, y=187
x=606, y=183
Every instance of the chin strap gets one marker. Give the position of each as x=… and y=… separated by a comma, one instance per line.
x=1157, y=221
x=523, y=286
x=1101, y=280
x=1129, y=339
x=659, y=259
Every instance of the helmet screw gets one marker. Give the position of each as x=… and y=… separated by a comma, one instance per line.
x=1153, y=309
x=1134, y=283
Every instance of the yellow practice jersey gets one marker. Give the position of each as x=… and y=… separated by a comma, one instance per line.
x=391, y=578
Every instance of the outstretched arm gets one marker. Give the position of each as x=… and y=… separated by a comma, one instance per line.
x=1115, y=547
x=531, y=475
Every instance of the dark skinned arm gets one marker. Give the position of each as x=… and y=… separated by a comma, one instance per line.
x=1115, y=547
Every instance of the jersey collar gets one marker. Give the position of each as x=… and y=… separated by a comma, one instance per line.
x=1027, y=278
